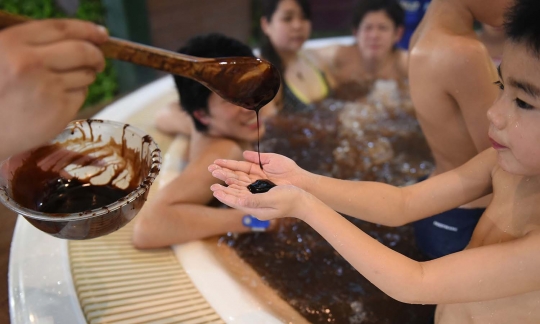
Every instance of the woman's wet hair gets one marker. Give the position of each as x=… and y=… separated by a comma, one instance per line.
x=392, y=8
x=193, y=95
x=522, y=24
x=268, y=51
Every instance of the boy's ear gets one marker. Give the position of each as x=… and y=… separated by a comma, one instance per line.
x=264, y=25
x=202, y=116
x=399, y=34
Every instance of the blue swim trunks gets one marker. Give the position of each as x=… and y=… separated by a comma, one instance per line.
x=447, y=232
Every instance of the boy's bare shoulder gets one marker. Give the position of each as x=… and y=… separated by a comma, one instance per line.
x=451, y=56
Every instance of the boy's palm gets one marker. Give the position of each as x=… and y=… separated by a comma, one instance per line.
x=278, y=202
x=276, y=168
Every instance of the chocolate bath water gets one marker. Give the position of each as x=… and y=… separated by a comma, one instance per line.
x=376, y=138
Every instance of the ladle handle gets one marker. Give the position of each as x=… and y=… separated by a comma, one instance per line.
x=124, y=50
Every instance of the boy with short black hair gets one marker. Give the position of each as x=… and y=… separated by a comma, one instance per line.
x=495, y=279
x=180, y=211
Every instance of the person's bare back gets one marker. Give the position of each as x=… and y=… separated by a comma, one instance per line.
x=451, y=78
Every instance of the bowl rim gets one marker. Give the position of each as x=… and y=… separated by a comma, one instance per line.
x=132, y=196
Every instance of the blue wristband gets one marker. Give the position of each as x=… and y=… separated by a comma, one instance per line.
x=254, y=224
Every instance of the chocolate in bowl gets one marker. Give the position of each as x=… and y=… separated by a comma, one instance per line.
x=89, y=181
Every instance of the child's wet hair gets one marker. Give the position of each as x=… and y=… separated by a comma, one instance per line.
x=522, y=24
x=193, y=95
x=392, y=8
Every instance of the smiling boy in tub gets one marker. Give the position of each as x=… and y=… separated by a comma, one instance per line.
x=495, y=279
x=185, y=209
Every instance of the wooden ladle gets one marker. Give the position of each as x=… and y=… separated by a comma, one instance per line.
x=244, y=81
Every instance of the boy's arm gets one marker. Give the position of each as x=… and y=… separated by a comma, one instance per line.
x=388, y=205
x=484, y=273
x=468, y=75
x=178, y=212
x=171, y=119
x=371, y=201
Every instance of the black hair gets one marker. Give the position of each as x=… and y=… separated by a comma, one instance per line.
x=268, y=51
x=193, y=95
x=522, y=24
x=392, y=8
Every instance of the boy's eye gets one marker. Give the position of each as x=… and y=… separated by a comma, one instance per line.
x=499, y=84
x=522, y=104
x=288, y=18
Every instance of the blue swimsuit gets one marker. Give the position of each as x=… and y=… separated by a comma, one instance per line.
x=447, y=232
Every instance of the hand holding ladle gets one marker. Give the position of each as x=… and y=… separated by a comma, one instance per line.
x=245, y=81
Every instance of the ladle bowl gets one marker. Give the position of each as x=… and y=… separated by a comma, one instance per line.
x=95, y=152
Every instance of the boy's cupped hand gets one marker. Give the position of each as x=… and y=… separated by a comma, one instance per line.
x=277, y=168
x=284, y=200
x=280, y=201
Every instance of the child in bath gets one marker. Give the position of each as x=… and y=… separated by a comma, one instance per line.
x=377, y=27
x=182, y=210
x=495, y=279
x=450, y=77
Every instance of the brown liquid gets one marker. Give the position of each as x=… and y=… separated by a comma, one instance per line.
x=50, y=191
x=261, y=186
x=71, y=196
x=246, y=85
x=252, y=93
x=268, y=93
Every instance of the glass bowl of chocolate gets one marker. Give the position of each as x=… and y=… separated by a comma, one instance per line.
x=89, y=181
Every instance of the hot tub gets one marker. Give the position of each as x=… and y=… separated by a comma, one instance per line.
x=45, y=283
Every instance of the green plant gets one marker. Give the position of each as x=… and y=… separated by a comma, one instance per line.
x=105, y=87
